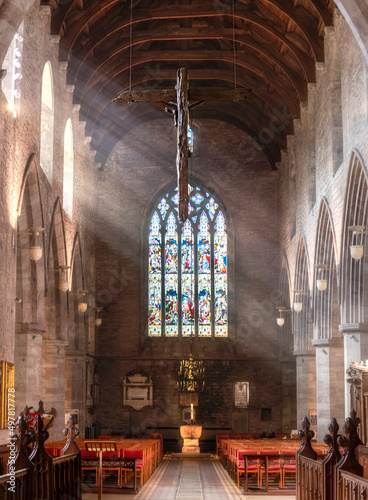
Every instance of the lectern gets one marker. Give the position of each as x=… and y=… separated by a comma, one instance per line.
x=100, y=447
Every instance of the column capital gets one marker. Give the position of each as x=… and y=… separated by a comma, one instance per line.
x=354, y=328
x=334, y=342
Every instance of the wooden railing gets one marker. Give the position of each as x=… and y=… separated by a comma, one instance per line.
x=67, y=476
x=310, y=479
x=339, y=475
x=351, y=487
x=40, y=476
x=17, y=486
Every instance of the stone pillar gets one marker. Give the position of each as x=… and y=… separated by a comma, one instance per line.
x=306, y=396
x=53, y=378
x=28, y=365
x=355, y=350
x=288, y=394
x=329, y=383
x=75, y=386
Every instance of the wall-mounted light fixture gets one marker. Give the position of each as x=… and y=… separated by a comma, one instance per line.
x=83, y=305
x=35, y=251
x=281, y=320
x=356, y=251
x=98, y=321
x=298, y=304
x=64, y=279
x=322, y=282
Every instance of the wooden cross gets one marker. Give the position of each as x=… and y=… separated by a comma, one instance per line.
x=178, y=102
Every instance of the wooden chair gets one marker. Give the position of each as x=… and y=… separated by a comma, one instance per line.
x=140, y=465
x=252, y=466
x=274, y=467
x=289, y=466
x=112, y=470
x=86, y=470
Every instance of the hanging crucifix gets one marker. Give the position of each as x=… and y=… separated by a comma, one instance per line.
x=178, y=102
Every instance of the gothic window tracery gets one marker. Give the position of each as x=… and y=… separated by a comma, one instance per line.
x=187, y=268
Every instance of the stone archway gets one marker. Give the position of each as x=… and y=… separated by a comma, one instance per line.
x=30, y=292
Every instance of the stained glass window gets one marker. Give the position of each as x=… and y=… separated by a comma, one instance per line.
x=187, y=271
x=154, y=282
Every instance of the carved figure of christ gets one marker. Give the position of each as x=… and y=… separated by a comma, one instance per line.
x=179, y=101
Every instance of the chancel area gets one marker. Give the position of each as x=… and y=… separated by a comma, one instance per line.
x=183, y=222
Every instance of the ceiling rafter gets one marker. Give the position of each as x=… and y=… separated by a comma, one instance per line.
x=142, y=58
x=176, y=12
x=277, y=45
x=260, y=92
x=297, y=80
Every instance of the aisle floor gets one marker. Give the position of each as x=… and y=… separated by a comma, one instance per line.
x=189, y=479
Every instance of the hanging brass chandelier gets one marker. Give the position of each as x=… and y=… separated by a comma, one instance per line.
x=191, y=375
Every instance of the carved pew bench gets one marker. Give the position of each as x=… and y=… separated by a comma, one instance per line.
x=122, y=466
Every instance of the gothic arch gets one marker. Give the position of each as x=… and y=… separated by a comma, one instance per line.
x=354, y=273
x=326, y=307
x=301, y=320
x=30, y=275
x=77, y=321
x=57, y=256
x=156, y=288
x=286, y=334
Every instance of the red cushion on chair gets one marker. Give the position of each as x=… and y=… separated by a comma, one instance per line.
x=289, y=467
x=86, y=453
x=111, y=454
x=133, y=454
x=251, y=468
x=104, y=437
x=271, y=468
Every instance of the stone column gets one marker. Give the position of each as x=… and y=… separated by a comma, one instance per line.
x=75, y=385
x=355, y=350
x=28, y=365
x=53, y=378
x=329, y=383
x=288, y=394
x=306, y=396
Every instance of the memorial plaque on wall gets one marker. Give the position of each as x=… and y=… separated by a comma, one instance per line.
x=313, y=417
x=137, y=391
x=241, y=394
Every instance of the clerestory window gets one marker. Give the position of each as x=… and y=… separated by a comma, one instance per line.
x=187, y=268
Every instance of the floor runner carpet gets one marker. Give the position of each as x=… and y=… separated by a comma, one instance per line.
x=190, y=479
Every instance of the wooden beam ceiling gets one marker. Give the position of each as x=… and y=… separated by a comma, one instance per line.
x=270, y=46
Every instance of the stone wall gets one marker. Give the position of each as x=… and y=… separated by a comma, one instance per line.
x=333, y=125
x=20, y=142
x=230, y=164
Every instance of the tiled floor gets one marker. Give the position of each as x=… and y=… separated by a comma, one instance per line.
x=189, y=479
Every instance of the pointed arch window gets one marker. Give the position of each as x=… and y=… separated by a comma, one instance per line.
x=47, y=122
x=187, y=271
